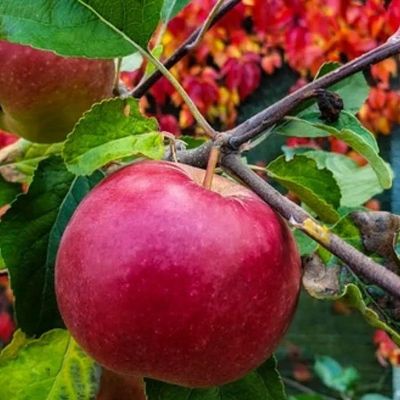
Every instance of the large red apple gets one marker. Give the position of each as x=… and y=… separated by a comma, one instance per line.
x=157, y=276
x=42, y=95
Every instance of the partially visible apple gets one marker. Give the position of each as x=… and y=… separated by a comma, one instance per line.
x=157, y=276
x=42, y=95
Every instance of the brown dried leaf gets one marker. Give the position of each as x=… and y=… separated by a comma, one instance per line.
x=319, y=280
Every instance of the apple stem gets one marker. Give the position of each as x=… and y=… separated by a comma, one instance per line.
x=211, y=165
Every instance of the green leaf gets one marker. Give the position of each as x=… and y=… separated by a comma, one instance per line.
x=90, y=28
x=29, y=236
x=20, y=160
x=111, y=130
x=334, y=376
x=305, y=244
x=349, y=129
x=137, y=19
x=353, y=90
x=353, y=296
x=171, y=8
x=157, y=53
x=261, y=384
x=52, y=367
x=347, y=173
x=306, y=397
x=316, y=187
x=69, y=29
x=8, y=191
x=374, y=396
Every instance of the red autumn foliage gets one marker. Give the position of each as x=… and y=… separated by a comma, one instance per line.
x=258, y=36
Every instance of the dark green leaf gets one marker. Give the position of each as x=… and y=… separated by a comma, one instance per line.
x=29, y=237
x=137, y=19
x=8, y=191
x=171, y=8
x=261, y=384
x=52, y=367
x=91, y=28
x=315, y=187
x=111, y=130
x=68, y=29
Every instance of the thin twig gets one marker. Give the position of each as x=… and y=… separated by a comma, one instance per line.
x=181, y=52
x=273, y=114
x=357, y=261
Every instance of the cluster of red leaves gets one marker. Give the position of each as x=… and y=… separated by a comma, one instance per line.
x=259, y=36
x=7, y=325
x=387, y=351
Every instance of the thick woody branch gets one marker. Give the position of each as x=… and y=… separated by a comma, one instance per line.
x=181, y=52
x=358, y=262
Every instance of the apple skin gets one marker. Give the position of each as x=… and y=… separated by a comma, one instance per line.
x=157, y=276
x=42, y=95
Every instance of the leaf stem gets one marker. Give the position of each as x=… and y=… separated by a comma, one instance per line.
x=209, y=130
x=206, y=25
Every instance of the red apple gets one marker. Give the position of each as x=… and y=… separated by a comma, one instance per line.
x=157, y=276
x=42, y=95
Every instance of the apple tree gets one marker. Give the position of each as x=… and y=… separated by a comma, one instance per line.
x=149, y=267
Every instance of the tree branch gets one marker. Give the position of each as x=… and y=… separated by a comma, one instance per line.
x=181, y=52
x=275, y=113
x=233, y=139
x=357, y=261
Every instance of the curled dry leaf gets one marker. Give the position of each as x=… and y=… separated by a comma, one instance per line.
x=318, y=280
x=379, y=230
